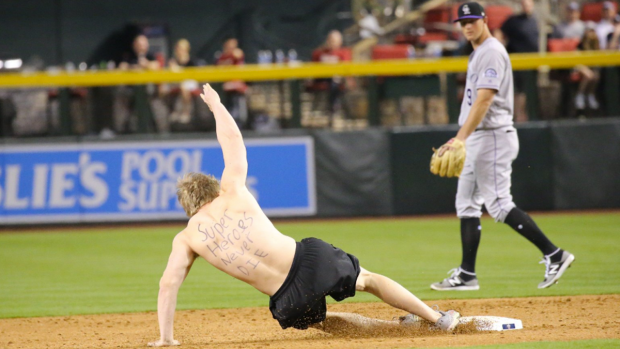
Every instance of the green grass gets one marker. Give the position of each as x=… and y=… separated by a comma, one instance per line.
x=586, y=344
x=117, y=270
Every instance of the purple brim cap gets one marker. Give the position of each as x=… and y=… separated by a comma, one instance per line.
x=466, y=17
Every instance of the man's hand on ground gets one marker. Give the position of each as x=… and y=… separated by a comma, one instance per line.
x=163, y=343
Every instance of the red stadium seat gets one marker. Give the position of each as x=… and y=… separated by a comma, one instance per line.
x=432, y=36
x=562, y=45
x=441, y=14
x=405, y=39
x=454, y=12
x=497, y=15
x=593, y=11
x=381, y=52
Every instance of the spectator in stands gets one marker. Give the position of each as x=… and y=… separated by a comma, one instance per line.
x=614, y=42
x=182, y=56
x=332, y=53
x=369, y=24
x=180, y=96
x=574, y=27
x=606, y=27
x=589, y=76
x=520, y=34
x=234, y=91
x=138, y=58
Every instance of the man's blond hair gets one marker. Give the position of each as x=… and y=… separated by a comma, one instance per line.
x=195, y=190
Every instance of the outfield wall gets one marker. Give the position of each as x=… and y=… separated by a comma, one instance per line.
x=374, y=172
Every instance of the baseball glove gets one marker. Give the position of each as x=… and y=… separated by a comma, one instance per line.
x=448, y=160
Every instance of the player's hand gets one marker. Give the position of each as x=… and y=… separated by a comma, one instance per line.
x=448, y=160
x=163, y=343
x=209, y=96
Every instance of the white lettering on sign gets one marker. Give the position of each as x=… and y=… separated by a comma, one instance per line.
x=149, y=179
x=55, y=185
x=147, y=196
x=131, y=159
x=92, y=183
x=157, y=159
x=39, y=187
x=12, y=199
x=62, y=182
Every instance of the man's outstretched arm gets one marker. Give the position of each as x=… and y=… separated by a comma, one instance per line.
x=179, y=264
x=229, y=136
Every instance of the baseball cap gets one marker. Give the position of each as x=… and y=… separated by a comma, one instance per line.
x=607, y=5
x=470, y=10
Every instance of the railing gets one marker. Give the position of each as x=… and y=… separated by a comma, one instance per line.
x=295, y=72
x=252, y=72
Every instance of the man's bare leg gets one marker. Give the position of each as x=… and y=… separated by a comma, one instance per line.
x=394, y=294
x=362, y=321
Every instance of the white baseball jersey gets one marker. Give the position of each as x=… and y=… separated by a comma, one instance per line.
x=489, y=67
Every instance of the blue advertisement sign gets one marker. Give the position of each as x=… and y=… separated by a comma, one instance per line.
x=123, y=181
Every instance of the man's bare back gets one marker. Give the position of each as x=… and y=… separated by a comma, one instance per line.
x=234, y=235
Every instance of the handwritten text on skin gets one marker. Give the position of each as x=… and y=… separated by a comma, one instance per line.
x=236, y=242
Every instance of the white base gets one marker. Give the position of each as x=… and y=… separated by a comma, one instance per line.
x=493, y=323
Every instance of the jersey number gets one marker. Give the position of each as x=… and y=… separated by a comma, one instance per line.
x=468, y=96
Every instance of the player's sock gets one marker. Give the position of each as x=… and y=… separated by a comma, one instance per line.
x=466, y=275
x=523, y=224
x=470, y=239
x=555, y=256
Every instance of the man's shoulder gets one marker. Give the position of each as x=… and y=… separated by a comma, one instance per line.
x=182, y=237
x=496, y=46
x=492, y=49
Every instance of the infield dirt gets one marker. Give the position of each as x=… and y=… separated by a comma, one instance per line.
x=544, y=319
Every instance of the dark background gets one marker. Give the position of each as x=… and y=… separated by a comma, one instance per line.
x=59, y=31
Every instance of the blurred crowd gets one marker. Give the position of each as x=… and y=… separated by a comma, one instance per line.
x=176, y=107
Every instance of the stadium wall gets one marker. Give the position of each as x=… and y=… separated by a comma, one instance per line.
x=298, y=173
x=561, y=165
x=59, y=31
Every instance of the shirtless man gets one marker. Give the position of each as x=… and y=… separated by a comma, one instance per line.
x=228, y=228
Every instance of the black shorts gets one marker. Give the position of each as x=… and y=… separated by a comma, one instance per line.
x=319, y=269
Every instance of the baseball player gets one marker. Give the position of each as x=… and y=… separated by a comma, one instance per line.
x=228, y=229
x=482, y=153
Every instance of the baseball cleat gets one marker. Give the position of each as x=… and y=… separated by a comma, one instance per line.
x=456, y=283
x=448, y=320
x=553, y=271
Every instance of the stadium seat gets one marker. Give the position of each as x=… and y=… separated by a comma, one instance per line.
x=404, y=39
x=432, y=36
x=382, y=52
x=593, y=11
x=441, y=14
x=497, y=15
x=562, y=45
